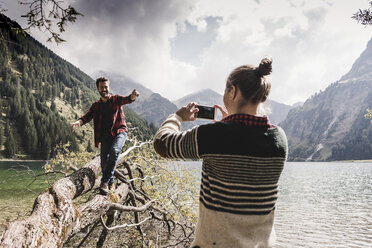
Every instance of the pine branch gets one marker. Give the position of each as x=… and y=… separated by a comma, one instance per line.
x=364, y=16
x=49, y=15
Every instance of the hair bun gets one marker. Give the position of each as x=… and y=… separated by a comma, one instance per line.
x=265, y=67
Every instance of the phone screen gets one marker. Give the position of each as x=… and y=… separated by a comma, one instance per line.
x=205, y=112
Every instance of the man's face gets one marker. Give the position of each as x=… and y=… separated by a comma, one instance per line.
x=104, y=89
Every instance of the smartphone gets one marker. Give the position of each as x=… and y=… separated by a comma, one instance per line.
x=206, y=112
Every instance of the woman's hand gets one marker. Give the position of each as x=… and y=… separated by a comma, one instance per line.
x=223, y=110
x=188, y=113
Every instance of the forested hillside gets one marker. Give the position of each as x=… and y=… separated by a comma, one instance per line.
x=40, y=94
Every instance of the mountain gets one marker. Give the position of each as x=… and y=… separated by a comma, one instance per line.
x=40, y=93
x=276, y=112
x=203, y=97
x=149, y=105
x=123, y=85
x=331, y=125
x=155, y=108
x=361, y=69
x=297, y=104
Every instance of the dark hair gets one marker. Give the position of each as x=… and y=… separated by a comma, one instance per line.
x=101, y=79
x=251, y=80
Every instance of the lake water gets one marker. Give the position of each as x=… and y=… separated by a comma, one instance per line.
x=323, y=205
x=320, y=204
x=19, y=186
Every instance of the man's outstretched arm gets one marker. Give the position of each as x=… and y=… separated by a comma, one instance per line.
x=85, y=118
x=128, y=99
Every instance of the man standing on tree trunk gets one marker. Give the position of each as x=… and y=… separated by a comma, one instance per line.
x=109, y=128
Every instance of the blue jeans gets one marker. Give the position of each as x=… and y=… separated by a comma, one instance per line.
x=110, y=150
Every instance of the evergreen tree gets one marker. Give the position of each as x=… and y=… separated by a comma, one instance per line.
x=74, y=146
x=46, y=147
x=29, y=132
x=1, y=136
x=16, y=105
x=55, y=91
x=53, y=106
x=10, y=144
x=89, y=148
x=1, y=129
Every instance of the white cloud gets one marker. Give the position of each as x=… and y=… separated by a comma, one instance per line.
x=313, y=43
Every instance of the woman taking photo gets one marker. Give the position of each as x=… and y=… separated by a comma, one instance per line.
x=243, y=156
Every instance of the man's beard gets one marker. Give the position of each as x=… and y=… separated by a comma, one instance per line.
x=104, y=93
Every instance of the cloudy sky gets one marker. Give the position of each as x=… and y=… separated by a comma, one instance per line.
x=176, y=47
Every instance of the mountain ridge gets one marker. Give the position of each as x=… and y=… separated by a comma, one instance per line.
x=320, y=130
x=154, y=108
x=361, y=66
x=202, y=97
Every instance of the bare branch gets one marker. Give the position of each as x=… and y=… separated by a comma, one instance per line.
x=124, y=154
x=49, y=15
x=187, y=238
x=120, y=207
x=124, y=225
x=143, y=179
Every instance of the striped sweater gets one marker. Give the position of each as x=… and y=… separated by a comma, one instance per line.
x=243, y=157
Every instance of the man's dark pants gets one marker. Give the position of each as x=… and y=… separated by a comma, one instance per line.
x=110, y=150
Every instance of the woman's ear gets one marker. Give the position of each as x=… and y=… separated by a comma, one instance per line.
x=233, y=92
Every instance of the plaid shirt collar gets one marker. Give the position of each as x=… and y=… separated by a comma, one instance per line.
x=109, y=98
x=249, y=120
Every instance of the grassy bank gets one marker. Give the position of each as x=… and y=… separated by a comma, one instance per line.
x=20, y=183
x=20, y=160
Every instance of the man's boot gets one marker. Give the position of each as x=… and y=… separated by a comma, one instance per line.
x=104, y=189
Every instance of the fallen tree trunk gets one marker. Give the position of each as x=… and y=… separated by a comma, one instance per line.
x=55, y=218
